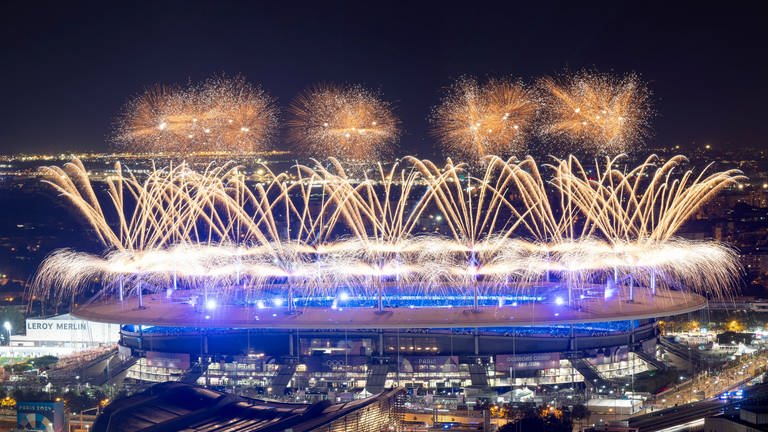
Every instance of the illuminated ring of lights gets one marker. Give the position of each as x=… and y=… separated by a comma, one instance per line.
x=159, y=313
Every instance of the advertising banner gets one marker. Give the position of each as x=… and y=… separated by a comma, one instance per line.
x=506, y=362
x=66, y=328
x=429, y=363
x=40, y=416
x=333, y=363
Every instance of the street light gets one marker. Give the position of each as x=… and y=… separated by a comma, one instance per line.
x=8, y=327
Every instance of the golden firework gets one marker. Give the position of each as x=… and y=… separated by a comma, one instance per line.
x=215, y=229
x=343, y=122
x=474, y=120
x=219, y=115
x=598, y=112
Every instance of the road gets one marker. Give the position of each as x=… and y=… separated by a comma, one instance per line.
x=734, y=375
x=686, y=413
x=677, y=415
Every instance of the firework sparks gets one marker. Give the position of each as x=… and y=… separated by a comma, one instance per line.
x=219, y=115
x=343, y=122
x=215, y=229
x=598, y=112
x=506, y=265
x=475, y=120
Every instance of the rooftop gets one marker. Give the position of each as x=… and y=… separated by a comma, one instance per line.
x=175, y=406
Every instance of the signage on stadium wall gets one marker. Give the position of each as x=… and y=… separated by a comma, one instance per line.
x=40, y=416
x=505, y=362
x=429, y=363
x=66, y=328
x=168, y=360
x=330, y=363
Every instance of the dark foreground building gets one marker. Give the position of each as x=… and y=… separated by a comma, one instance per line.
x=175, y=406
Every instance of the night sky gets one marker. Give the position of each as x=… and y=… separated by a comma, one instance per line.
x=68, y=68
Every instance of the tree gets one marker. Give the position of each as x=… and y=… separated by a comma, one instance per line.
x=45, y=362
x=580, y=412
x=541, y=419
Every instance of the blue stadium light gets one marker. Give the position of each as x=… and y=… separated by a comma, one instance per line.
x=260, y=304
x=210, y=304
x=559, y=301
x=278, y=302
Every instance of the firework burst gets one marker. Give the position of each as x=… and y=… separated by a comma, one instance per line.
x=343, y=122
x=475, y=120
x=323, y=231
x=597, y=112
x=219, y=115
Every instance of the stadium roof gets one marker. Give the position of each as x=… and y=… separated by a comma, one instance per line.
x=182, y=407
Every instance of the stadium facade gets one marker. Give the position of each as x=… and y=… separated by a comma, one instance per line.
x=287, y=354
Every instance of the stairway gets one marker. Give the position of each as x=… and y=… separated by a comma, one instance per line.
x=650, y=359
x=191, y=376
x=114, y=369
x=282, y=378
x=478, y=375
x=591, y=376
x=377, y=376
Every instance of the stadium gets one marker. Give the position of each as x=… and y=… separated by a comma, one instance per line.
x=509, y=280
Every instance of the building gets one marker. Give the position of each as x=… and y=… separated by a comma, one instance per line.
x=751, y=418
x=174, y=406
x=60, y=335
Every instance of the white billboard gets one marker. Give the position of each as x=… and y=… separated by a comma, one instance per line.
x=66, y=328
